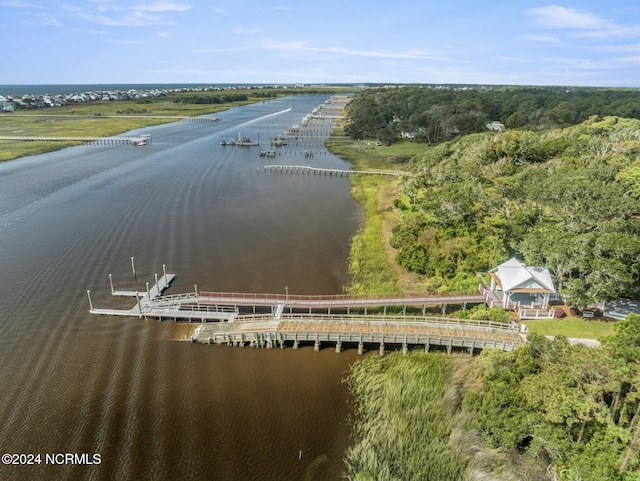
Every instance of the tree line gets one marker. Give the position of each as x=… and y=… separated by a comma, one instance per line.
x=438, y=114
x=218, y=98
x=565, y=198
x=575, y=407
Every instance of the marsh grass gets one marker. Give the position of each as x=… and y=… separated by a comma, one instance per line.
x=404, y=419
x=369, y=266
x=410, y=424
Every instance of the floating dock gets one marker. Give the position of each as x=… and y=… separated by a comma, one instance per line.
x=152, y=304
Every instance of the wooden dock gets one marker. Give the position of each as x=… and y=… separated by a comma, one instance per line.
x=343, y=331
x=302, y=325
x=338, y=301
x=124, y=140
x=306, y=169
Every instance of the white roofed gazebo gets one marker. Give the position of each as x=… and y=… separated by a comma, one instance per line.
x=524, y=289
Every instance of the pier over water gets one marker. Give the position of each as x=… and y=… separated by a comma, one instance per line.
x=293, y=320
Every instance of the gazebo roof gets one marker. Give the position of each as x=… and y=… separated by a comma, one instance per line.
x=513, y=276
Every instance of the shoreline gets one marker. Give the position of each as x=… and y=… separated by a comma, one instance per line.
x=372, y=265
x=102, y=118
x=85, y=121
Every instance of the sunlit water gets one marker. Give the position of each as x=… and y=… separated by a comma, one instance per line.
x=151, y=405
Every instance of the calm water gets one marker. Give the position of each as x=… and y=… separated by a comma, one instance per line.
x=151, y=405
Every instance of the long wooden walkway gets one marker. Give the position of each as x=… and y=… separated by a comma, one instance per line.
x=382, y=331
x=135, y=140
x=306, y=169
x=328, y=302
x=216, y=306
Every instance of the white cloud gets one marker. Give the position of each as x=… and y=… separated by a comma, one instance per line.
x=619, y=48
x=503, y=58
x=19, y=4
x=635, y=59
x=299, y=46
x=583, y=24
x=302, y=47
x=162, y=7
x=543, y=39
x=554, y=16
x=130, y=16
x=244, y=31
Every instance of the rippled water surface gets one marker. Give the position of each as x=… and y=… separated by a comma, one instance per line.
x=133, y=391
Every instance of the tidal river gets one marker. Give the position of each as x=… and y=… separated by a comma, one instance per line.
x=105, y=398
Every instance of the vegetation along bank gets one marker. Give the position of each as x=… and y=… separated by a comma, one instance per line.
x=553, y=190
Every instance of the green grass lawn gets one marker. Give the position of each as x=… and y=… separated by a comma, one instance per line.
x=400, y=148
x=571, y=327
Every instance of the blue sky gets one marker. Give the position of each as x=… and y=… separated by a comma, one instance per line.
x=585, y=42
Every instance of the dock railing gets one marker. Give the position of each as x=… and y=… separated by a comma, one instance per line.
x=293, y=299
x=379, y=320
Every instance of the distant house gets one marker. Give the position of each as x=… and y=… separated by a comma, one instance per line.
x=6, y=106
x=495, y=125
x=408, y=135
x=523, y=289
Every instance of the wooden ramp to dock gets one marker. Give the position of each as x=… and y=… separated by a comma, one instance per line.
x=383, y=331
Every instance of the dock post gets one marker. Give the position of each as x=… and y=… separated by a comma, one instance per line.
x=164, y=271
x=338, y=346
x=316, y=345
x=381, y=348
x=148, y=295
x=90, y=303
x=426, y=347
x=405, y=347
x=360, y=348
x=157, y=284
x=133, y=267
x=139, y=306
x=111, y=283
